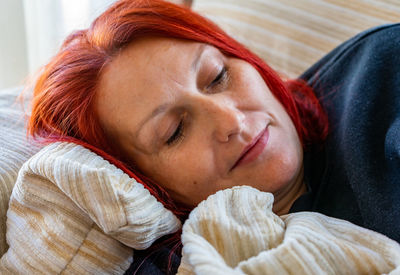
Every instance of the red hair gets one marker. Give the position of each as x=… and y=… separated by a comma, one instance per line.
x=63, y=94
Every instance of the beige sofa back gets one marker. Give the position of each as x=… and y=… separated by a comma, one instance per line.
x=290, y=35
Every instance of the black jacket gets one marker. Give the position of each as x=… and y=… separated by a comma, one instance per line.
x=356, y=176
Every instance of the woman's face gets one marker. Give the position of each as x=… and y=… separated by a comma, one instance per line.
x=197, y=121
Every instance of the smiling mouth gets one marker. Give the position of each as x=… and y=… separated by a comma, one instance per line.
x=253, y=150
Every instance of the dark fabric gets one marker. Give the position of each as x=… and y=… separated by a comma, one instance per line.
x=164, y=260
x=356, y=176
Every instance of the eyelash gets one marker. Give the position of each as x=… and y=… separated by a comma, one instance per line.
x=222, y=75
x=178, y=133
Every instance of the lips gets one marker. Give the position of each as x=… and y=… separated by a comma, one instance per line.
x=254, y=149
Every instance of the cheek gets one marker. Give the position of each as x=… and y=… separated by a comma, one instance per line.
x=187, y=173
x=249, y=86
x=289, y=154
x=190, y=165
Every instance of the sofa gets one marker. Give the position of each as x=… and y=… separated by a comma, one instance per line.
x=288, y=35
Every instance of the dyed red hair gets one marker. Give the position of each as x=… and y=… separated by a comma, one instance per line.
x=63, y=95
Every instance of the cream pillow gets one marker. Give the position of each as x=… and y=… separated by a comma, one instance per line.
x=71, y=211
x=292, y=35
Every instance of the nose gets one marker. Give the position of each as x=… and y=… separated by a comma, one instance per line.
x=224, y=117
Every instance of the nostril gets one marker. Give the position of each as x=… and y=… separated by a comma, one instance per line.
x=226, y=119
x=229, y=124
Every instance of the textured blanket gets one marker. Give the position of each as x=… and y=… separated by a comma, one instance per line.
x=235, y=232
x=72, y=212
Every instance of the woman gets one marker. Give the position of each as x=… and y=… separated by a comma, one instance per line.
x=99, y=73
x=176, y=99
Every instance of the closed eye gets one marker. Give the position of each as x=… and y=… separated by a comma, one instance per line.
x=177, y=135
x=219, y=78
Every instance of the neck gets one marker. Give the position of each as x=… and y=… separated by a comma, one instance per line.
x=285, y=197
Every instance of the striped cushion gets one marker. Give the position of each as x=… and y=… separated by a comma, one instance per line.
x=15, y=149
x=291, y=35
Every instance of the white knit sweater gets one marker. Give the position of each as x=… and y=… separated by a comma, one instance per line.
x=235, y=232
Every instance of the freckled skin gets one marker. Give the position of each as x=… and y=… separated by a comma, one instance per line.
x=210, y=124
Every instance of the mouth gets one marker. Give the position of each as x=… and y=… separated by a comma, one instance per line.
x=253, y=149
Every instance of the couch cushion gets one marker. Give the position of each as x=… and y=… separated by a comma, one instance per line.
x=292, y=35
x=15, y=149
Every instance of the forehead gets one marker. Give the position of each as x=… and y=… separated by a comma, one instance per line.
x=143, y=59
